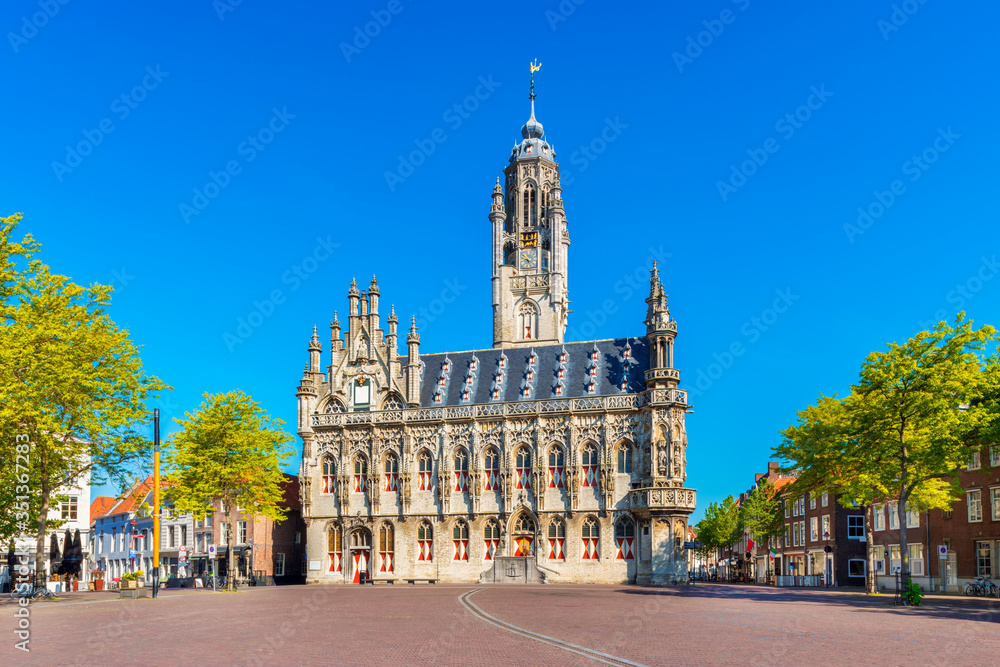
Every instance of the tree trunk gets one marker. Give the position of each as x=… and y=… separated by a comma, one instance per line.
x=43, y=515
x=904, y=481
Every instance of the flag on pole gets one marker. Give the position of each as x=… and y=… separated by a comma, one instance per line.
x=750, y=543
x=774, y=552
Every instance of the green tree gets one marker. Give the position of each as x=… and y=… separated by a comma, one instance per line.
x=761, y=513
x=721, y=526
x=907, y=428
x=228, y=450
x=72, y=385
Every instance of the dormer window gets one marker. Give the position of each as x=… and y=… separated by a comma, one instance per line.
x=559, y=390
x=496, y=393
x=499, y=378
x=593, y=371
x=527, y=391
x=437, y=398
x=561, y=374
x=441, y=381
x=503, y=362
x=446, y=367
x=531, y=376
x=465, y=395
x=593, y=355
x=562, y=358
x=591, y=387
x=627, y=353
x=473, y=364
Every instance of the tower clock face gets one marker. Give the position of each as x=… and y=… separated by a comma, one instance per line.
x=529, y=259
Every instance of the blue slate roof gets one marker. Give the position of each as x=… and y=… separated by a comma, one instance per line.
x=448, y=378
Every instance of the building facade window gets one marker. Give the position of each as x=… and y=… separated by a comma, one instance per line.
x=826, y=499
x=855, y=527
x=241, y=532
x=879, y=559
x=916, y=559
x=912, y=518
x=826, y=527
x=523, y=536
x=974, y=499
x=492, y=470
x=625, y=459
x=425, y=542
x=329, y=481
x=460, y=538
x=391, y=473
x=491, y=539
x=425, y=471
x=360, y=474
x=529, y=321
x=557, y=540
x=522, y=472
x=334, y=548
x=813, y=528
x=589, y=465
x=279, y=565
x=625, y=539
x=975, y=461
x=995, y=503
x=462, y=471
x=893, y=511
x=984, y=564
x=591, y=536
x=557, y=467
x=995, y=455
x=856, y=567
x=812, y=501
x=67, y=509
x=386, y=548
x=878, y=517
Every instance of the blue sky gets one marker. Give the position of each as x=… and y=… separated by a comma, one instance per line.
x=205, y=157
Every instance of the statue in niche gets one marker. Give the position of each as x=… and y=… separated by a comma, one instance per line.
x=661, y=463
x=677, y=460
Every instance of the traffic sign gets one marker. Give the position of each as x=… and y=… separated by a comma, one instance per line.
x=131, y=553
x=211, y=550
x=693, y=545
x=942, y=550
x=182, y=548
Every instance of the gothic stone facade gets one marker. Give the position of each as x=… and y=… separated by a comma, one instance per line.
x=568, y=456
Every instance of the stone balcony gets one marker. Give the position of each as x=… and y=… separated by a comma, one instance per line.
x=662, y=500
x=663, y=374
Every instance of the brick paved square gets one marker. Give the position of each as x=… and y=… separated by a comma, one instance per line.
x=490, y=625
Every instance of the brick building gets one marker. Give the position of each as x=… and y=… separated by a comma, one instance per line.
x=969, y=532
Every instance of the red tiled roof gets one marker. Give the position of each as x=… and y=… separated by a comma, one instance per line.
x=100, y=505
x=782, y=482
x=132, y=499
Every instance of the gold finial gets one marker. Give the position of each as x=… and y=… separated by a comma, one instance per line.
x=535, y=66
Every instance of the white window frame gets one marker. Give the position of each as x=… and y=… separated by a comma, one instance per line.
x=977, y=505
x=878, y=517
x=813, y=529
x=812, y=501
x=995, y=455
x=893, y=510
x=826, y=499
x=241, y=532
x=995, y=502
x=279, y=565
x=864, y=567
x=912, y=518
x=975, y=461
x=853, y=528
x=916, y=559
x=826, y=527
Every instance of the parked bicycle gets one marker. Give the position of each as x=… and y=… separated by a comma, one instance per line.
x=981, y=586
x=219, y=582
x=31, y=591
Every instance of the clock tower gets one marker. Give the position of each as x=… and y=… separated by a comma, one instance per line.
x=530, y=243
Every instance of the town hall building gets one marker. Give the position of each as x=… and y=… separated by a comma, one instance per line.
x=537, y=460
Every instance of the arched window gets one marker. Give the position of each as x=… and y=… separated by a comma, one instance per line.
x=523, y=536
x=557, y=540
x=391, y=473
x=334, y=547
x=386, y=549
x=329, y=483
x=460, y=535
x=528, y=212
x=528, y=321
x=591, y=537
x=461, y=470
x=425, y=471
x=334, y=406
x=625, y=458
x=393, y=402
x=590, y=465
x=557, y=467
x=360, y=474
x=522, y=476
x=625, y=539
x=491, y=539
x=492, y=469
x=425, y=542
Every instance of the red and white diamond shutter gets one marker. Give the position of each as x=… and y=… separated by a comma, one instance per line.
x=360, y=564
x=523, y=545
x=556, y=467
x=522, y=473
x=590, y=535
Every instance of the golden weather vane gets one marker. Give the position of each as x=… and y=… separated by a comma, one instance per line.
x=534, y=66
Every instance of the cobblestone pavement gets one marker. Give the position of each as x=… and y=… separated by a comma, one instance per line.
x=421, y=625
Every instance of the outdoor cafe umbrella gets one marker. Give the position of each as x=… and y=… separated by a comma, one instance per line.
x=55, y=559
x=77, y=563
x=71, y=556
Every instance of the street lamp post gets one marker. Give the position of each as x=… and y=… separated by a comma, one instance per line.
x=156, y=502
x=827, y=557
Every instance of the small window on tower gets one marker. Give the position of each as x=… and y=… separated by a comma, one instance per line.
x=531, y=376
x=527, y=392
x=562, y=358
x=465, y=395
x=558, y=390
x=473, y=364
x=503, y=362
x=591, y=387
x=562, y=373
x=496, y=393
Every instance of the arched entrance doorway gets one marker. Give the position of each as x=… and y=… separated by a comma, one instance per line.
x=360, y=548
x=522, y=535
